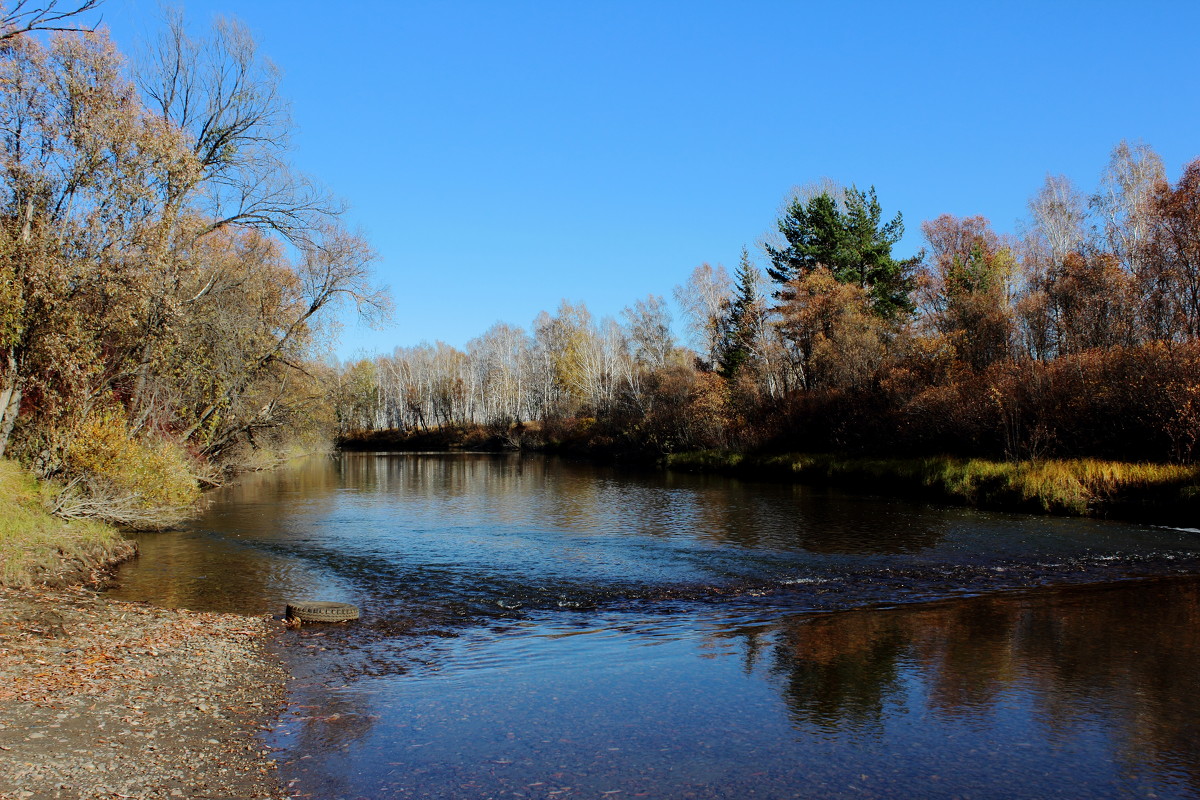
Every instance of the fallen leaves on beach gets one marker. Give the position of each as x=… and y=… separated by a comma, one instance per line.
x=107, y=699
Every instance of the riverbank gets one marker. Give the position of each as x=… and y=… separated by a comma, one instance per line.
x=39, y=549
x=1076, y=487
x=452, y=437
x=108, y=699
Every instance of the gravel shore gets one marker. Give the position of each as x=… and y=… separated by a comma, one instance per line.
x=103, y=699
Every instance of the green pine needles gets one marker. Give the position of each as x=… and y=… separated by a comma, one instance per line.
x=846, y=235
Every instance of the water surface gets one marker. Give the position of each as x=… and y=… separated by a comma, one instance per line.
x=544, y=629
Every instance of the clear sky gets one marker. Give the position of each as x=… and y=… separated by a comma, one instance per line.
x=503, y=156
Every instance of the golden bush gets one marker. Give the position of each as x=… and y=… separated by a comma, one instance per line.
x=143, y=481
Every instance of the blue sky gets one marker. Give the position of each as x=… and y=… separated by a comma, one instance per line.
x=504, y=156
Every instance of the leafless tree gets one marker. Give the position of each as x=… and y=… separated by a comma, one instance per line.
x=1059, y=216
x=704, y=299
x=501, y=360
x=23, y=17
x=1126, y=189
x=649, y=330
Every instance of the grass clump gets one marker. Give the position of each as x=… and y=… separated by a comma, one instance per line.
x=38, y=548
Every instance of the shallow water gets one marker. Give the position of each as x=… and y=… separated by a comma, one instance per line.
x=545, y=629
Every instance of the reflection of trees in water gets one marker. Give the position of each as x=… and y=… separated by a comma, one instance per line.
x=506, y=483
x=1121, y=657
x=447, y=475
x=312, y=478
x=966, y=649
x=592, y=498
x=212, y=574
x=1134, y=652
x=839, y=669
x=816, y=519
x=224, y=562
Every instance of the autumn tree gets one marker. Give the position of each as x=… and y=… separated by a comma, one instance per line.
x=76, y=165
x=835, y=337
x=1171, y=254
x=1077, y=339
x=356, y=400
x=1091, y=301
x=223, y=98
x=163, y=272
x=966, y=287
x=257, y=359
x=235, y=185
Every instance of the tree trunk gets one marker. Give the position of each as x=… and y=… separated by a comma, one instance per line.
x=10, y=405
x=10, y=401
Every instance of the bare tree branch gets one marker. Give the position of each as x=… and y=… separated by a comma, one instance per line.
x=22, y=17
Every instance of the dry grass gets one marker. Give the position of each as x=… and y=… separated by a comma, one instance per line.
x=1069, y=486
x=37, y=548
x=1073, y=486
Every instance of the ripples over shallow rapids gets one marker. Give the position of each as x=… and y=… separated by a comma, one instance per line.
x=545, y=629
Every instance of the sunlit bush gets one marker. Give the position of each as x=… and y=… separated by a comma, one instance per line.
x=144, y=481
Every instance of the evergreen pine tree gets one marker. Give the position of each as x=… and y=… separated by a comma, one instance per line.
x=852, y=242
x=739, y=327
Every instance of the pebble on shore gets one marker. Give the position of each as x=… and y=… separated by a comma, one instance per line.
x=108, y=699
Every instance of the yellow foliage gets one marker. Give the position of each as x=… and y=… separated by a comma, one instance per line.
x=837, y=338
x=12, y=303
x=153, y=472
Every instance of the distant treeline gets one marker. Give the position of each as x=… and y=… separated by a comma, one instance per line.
x=163, y=269
x=1076, y=339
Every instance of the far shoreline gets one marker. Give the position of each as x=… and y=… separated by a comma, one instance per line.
x=1140, y=492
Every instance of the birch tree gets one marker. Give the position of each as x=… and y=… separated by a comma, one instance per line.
x=648, y=327
x=703, y=299
x=1127, y=188
x=1059, y=214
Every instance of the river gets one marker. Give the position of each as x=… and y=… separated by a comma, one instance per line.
x=551, y=630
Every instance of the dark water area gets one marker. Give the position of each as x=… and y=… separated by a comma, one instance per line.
x=537, y=628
